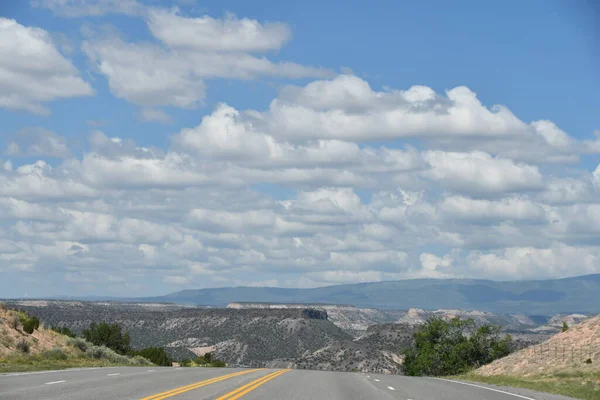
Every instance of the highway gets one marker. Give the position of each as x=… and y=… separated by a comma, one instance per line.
x=158, y=383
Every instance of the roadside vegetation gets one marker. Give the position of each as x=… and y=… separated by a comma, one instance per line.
x=207, y=360
x=457, y=349
x=453, y=347
x=26, y=345
x=577, y=384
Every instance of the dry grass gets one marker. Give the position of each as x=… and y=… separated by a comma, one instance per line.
x=562, y=353
x=47, y=349
x=576, y=384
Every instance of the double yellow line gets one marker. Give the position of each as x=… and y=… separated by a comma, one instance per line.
x=183, y=389
x=236, y=394
x=241, y=391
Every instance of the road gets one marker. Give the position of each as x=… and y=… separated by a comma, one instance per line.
x=248, y=384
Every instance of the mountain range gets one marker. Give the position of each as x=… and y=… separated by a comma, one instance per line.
x=579, y=294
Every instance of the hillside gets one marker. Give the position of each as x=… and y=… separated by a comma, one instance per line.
x=12, y=334
x=379, y=350
x=564, y=351
x=46, y=349
x=544, y=297
x=353, y=320
x=239, y=337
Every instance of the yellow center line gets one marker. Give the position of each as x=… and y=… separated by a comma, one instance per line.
x=241, y=391
x=183, y=389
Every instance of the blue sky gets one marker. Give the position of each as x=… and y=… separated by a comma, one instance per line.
x=339, y=166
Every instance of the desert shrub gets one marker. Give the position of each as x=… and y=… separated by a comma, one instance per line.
x=28, y=326
x=13, y=322
x=218, y=363
x=565, y=326
x=157, y=355
x=588, y=361
x=201, y=361
x=109, y=335
x=23, y=346
x=104, y=353
x=453, y=347
x=185, y=362
x=63, y=330
x=6, y=340
x=79, y=343
x=55, y=354
x=139, y=360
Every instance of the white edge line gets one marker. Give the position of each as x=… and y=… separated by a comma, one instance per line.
x=115, y=374
x=51, y=371
x=391, y=388
x=485, y=387
x=52, y=383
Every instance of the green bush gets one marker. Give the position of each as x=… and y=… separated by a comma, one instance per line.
x=104, y=353
x=185, y=362
x=79, y=343
x=23, y=346
x=109, y=335
x=55, y=354
x=218, y=363
x=28, y=326
x=29, y=323
x=565, y=326
x=201, y=361
x=157, y=355
x=453, y=347
x=63, y=330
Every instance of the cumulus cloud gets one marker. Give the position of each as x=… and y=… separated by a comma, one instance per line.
x=32, y=71
x=479, y=172
x=154, y=115
x=37, y=142
x=508, y=209
x=205, y=33
x=92, y=8
x=558, y=260
x=320, y=187
x=195, y=49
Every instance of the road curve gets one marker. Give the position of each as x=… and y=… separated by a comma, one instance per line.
x=156, y=383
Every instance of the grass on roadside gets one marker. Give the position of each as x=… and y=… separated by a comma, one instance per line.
x=28, y=363
x=577, y=384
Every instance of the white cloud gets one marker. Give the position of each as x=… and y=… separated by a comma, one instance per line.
x=32, y=71
x=205, y=33
x=38, y=142
x=151, y=75
x=479, y=172
x=508, y=209
x=94, y=8
x=558, y=260
x=154, y=115
x=347, y=108
x=227, y=134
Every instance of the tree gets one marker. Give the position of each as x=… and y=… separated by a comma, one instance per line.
x=156, y=355
x=565, y=326
x=63, y=330
x=452, y=347
x=109, y=335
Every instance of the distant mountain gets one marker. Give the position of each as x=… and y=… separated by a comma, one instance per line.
x=543, y=297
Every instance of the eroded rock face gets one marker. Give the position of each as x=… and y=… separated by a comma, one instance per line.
x=250, y=337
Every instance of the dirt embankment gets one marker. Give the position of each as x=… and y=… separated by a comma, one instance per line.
x=578, y=348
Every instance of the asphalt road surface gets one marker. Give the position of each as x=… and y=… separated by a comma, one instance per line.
x=248, y=384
